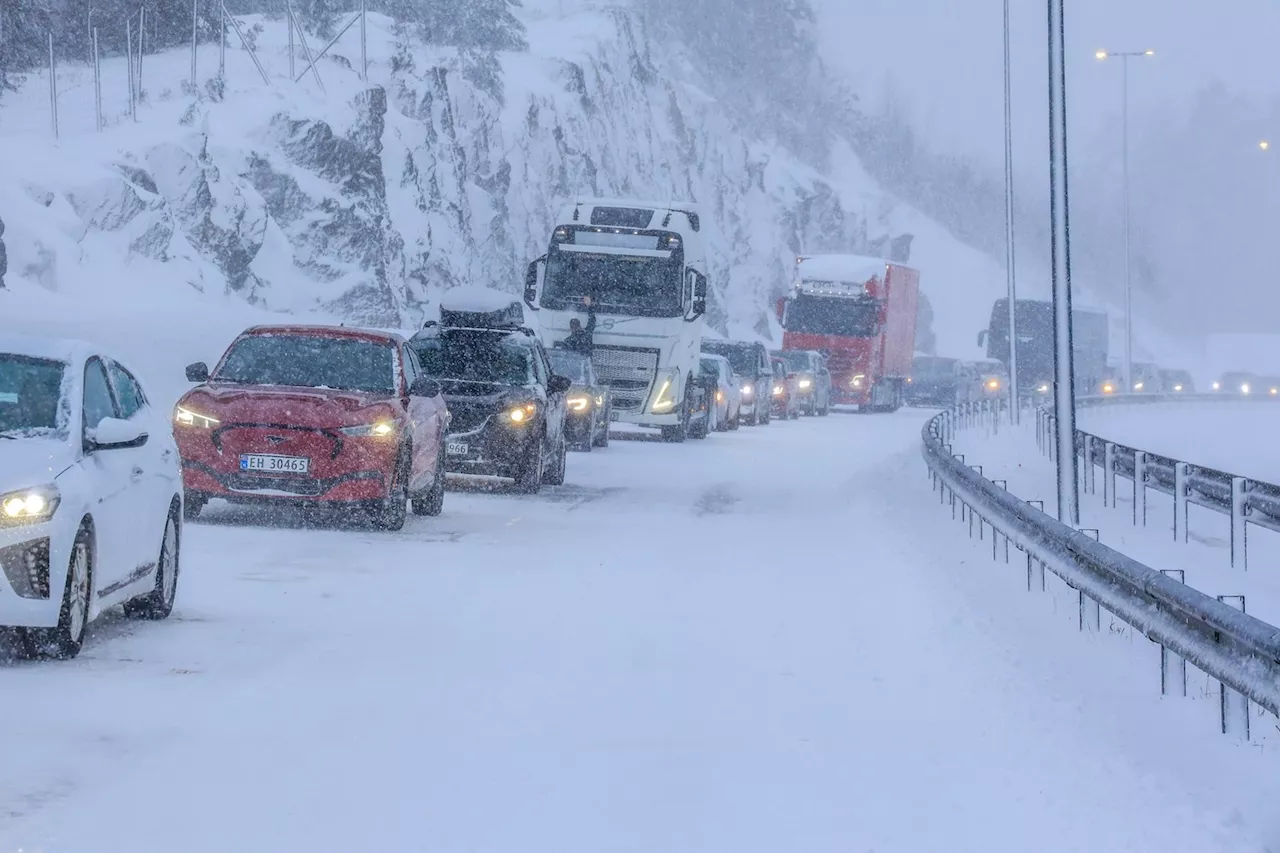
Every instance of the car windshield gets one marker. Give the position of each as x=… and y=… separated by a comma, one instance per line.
x=619, y=284
x=569, y=364
x=832, y=315
x=933, y=368
x=711, y=367
x=741, y=356
x=796, y=360
x=310, y=361
x=491, y=357
x=31, y=398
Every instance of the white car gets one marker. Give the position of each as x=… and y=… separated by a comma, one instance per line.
x=728, y=401
x=90, y=495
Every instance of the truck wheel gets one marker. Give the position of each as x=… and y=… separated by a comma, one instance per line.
x=678, y=433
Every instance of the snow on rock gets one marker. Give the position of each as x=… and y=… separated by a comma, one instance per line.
x=368, y=200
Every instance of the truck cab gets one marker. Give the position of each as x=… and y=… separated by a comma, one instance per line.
x=643, y=268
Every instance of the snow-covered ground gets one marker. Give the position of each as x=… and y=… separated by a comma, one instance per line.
x=1230, y=436
x=770, y=640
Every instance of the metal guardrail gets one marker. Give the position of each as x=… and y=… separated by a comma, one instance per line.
x=1240, y=651
x=1244, y=500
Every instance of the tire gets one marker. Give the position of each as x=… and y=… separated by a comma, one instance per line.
x=192, y=504
x=590, y=443
x=555, y=476
x=158, y=603
x=65, y=641
x=390, y=512
x=736, y=422
x=678, y=433
x=603, y=439
x=529, y=474
x=723, y=426
x=431, y=503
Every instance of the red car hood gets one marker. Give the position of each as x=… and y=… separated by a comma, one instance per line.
x=271, y=404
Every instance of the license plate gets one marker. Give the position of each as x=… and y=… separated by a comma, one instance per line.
x=613, y=416
x=269, y=464
x=456, y=448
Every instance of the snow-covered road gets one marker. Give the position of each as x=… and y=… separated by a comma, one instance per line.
x=732, y=645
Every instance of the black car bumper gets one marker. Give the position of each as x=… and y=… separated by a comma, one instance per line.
x=495, y=450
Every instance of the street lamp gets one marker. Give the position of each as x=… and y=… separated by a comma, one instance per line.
x=1125, y=56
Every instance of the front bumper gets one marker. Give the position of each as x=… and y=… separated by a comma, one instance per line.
x=33, y=557
x=493, y=449
x=847, y=396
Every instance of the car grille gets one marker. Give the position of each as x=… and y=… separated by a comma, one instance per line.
x=467, y=418
x=292, y=485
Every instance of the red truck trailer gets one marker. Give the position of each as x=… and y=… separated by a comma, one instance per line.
x=861, y=313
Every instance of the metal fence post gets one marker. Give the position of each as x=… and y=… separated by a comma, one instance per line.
x=1109, y=475
x=1173, y=667
x=1140, y=487
x=1090, y=481
x=1181, y=499
x=97, y=82
x=53, y=87
x=1235, y=706
x=1239, y=522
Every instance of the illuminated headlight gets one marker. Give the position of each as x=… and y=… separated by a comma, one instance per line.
x=381, y=429
x=806, y=383
x=1244, y=389
x=748, y=390
x=1177, y=387
x=521, y=414
x=777, y=390
x=857, y=381
x=600, y=400
x=186, y=417
x=1217, y=386
x=1108, y=388
x=29, y=506
x=664, y=400
x=1042, y=388
x=1275, y=392
x=993, y=384
x=719, y=396
x=579, y=404
x=1138, y=386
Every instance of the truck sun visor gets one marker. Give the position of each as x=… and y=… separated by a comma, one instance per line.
x=586, y=237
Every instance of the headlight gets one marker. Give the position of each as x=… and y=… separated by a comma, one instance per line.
x=600, y=400
x=663, y=401
x=29, y=506
x=381, y=429
x=1138, y=386
x=1244, y=389
x=1177, y=387
x=1042, y=388
x=1217, y=386
x=777, y=390
x=579, y=404
x=748, y=390
x=805, y=383
x=1107, y=388
x=719, y=396
x=186, y=418
x=857, y=381
x=993, y=384
x=521, y=414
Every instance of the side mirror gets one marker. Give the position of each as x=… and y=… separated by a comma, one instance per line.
x=531, y=283
x=982, y=338
x=559, y=384
x=115, y=434
x=424, y=386
x=198, y=372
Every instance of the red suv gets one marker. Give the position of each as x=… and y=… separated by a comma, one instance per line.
x=314, y=415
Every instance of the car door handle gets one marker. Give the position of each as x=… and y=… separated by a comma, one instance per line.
x=137, y=472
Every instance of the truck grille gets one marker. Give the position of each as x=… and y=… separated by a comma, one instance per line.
x=628, y=371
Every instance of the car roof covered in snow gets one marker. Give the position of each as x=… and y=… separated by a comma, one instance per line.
x=478, y=300
x=853, y=269
x=56, y=349
x=372, y=335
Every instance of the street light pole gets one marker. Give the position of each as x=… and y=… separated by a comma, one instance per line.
x=1124, y=56
x=1014, y=399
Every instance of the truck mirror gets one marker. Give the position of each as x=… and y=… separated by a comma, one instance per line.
x=982, y=338
x=531, y=283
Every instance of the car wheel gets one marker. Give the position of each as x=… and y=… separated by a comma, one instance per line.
x=64, y=642
x=555, y=476
x=158, y=603
x=603, y=440
x=192, y=504
x=432, y=503
x=390, y=512
x=736, y=421
x=590, y=443
x=529, y=475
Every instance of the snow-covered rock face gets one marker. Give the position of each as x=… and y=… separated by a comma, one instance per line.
x=446, y=170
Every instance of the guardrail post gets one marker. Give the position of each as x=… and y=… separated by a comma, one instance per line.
x=1173, y=667
x=1090, y=483
x=1181, y=499
x=1235, y=705
x=1140, y=487
x=1109, y=475
x=1090, y=613
x=1053, y=450
x=1239, y=523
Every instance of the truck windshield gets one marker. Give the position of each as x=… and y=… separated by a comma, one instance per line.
x=933, y=368
x=832, y=315
x=619, y=284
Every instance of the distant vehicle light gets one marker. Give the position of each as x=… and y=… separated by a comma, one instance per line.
x=1177, y=387
x=1217, y=386
x=805, y=383
x=1244, y=389
x=777, y=390
x=857, y=381
x=993, y=384
x=1108, y=388
x=1138, y=386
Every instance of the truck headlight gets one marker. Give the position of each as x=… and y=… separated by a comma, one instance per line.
x=579, y=404
x=805, y=383
x=748, y=390
x=664, y=400
x=857, y=381
x=187, y=417
x=29, y=506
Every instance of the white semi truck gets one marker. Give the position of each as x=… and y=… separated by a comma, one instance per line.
x=644, y=267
